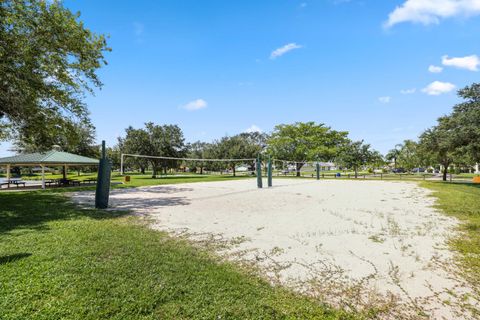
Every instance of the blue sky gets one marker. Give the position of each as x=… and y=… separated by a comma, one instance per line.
x=221, y=67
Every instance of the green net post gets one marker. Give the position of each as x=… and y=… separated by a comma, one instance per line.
x=259, y=172
x=269, y=173
x=103, y=181
x=318, y=171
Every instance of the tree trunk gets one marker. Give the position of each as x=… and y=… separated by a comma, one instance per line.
x=201, y=170
x=233, y=168
x=445, y=172
x=154, y=173
x=142, y=170
x=299, y=167
x=356, y=173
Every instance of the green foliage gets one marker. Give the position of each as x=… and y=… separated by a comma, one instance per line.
x=61, y=262
x=409, y=155
x=464, y=123
x=356, y=155
x=48, y=59
x=77, y=138
x=439, y=143
x=305, y=141
x=154, y=140
x=393, y=155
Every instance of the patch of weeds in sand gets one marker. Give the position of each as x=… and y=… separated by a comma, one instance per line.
x=377, y=238
x=393, y=226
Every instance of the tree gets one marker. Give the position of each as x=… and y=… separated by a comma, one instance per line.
x=439, y=142
x=48, y=59
x=393, y=154
x=465, y=122
x=305, y=141
x=355, y=155
x=155, y=140
x=241, y=146
x=408, y=156
x=197, y=150
x=76, y=137
x=135, y=142
x=376, y=160
x=113, y=154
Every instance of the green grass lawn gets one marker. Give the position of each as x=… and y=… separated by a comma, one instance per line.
x=61, y=262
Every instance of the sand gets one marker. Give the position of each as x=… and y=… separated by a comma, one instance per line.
x=350, y=243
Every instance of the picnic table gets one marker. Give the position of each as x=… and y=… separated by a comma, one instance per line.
x=15, y=181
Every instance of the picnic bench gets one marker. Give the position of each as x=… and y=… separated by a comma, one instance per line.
x=90, y=181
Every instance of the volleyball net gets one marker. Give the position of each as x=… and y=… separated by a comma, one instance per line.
x=184, y=165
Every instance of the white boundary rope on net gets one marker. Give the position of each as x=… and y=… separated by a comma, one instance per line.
x=174, y=158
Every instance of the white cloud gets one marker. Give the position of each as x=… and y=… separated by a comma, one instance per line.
x=253, y=128
x=431, y=11
x=195, y=105
x=435, y=69
x=469, y=62
x=408, y=91
x=282, y=50
x=437, y=88
x=385, y=99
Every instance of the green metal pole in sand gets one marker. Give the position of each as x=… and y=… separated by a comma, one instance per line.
x=103, y=181
x=269, y=173
x=318, y=170
x=259, y=172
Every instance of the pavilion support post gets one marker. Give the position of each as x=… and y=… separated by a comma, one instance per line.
x=8, y=176
x=65, y=168
x=43, y=176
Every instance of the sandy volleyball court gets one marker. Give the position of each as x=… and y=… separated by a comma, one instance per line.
x=349, y=242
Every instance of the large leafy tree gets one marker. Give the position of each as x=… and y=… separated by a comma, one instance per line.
x=464, y=122
x=197, y=150
x=241, y=146
x=355, y=155
x=155, y=140
x=48, y=60
x=74, y=137
x=305, y=141
x=439, y=143
x=409, y=156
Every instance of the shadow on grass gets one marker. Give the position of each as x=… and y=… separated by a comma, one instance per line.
x=13, y=257
x=33, y=210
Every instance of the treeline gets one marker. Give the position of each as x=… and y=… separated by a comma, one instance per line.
x=452, y=144
x=299, y=142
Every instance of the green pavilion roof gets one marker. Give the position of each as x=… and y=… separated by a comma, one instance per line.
x=49, y=158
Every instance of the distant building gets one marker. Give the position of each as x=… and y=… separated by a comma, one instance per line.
x=242, y=168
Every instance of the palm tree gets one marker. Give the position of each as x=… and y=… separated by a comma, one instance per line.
x=393, y=154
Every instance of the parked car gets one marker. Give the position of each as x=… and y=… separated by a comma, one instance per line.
x=418, y=170
x=398, y=170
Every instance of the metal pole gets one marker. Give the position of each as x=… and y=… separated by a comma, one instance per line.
x=269, y=174
x=259, y=173
x=8, y=176
x=43, y=177
x=121, y=164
